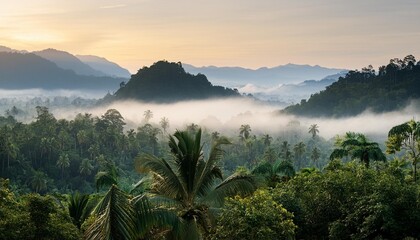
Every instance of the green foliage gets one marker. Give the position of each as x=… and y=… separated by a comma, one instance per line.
x=254, y=217
x=33, y=217
x=392, y=88
x=358, y=147
x=115, y=217
x=352, y=202
x=188, y=181
x=79, y=209
x=406, y=137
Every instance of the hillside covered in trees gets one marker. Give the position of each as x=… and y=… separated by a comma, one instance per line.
x=393, y=88
x=166, y=82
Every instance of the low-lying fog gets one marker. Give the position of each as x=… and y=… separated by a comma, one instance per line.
x=228, y=115
x=223, y=115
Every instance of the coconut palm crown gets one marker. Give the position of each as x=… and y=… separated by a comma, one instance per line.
x=192, y=183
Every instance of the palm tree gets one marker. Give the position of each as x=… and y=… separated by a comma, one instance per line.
x=115, y=217
x=188, y=181
x=313, y=129
x=358, y=146
x=299, y=150
x=285, y=151
x=164, y=123
x=85, y=167
x=274, y=173
x=270, y=155
x=148, y=115
x=38, y=181
x=215, y=136
x=315, y=155
x=267, y=139
x=78, y=208
x=63, y=162
x=244, y=131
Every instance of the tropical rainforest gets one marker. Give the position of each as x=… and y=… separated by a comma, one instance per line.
x=393, y=88
x=92, y=178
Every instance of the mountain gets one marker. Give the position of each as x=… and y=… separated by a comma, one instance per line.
x=103, y=65
x=393, y=88
x=68, y=61
x=290, y=93
x=27, y=70
x=7, y=49
x=168, y=82
x=264, y=77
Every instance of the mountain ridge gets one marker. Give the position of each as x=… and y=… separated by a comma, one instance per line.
x=264, y=76
x=27, y=70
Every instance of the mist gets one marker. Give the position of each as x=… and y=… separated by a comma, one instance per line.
x=227, y=115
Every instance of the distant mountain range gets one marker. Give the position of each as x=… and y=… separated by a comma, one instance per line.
x=263, y=77
x=86, y=65
x=288, y=83
x=27, y=70
x=104, y=66
x=290, y=93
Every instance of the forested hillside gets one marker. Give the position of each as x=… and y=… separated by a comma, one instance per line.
x=168, y=82
x=392, y=88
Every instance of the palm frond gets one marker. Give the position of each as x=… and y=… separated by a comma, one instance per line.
x=169, y=183
x=264, y=168
x=285, y=167
x=115, y=218
x=78, y=208
x=231, y=186
x=145, y=217
x=338, y=153
x=208, y=171
x=141, y=185
x=103, y=179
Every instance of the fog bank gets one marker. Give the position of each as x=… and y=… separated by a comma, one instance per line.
x=227, y=115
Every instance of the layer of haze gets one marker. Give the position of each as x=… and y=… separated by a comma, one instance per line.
x=226, y=116
x=248, y=33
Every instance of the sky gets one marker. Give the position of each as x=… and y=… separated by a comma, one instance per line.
x=247, y=33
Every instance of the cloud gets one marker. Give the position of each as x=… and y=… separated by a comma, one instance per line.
x=113, y=6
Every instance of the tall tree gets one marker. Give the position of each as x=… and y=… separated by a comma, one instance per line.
x=148, y=114
x=299, y=150
x=267, y=139
x=406, y=137
x=63, y=162
x=164, y=123
x=314, y=130
x=274, y=172
x=244, y=131
x=188, y=180
x=358, y=146
x=285, y=152
x=315, y=155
